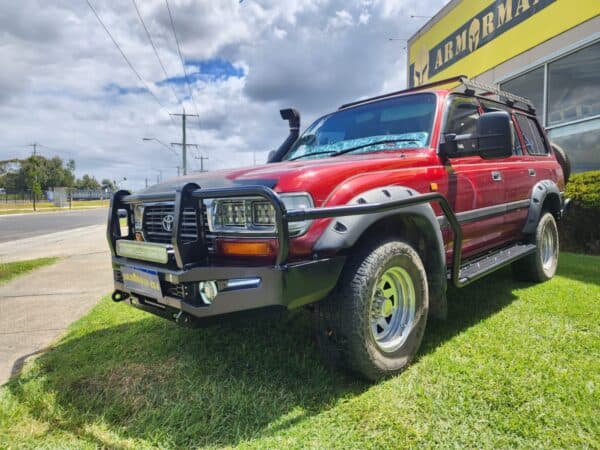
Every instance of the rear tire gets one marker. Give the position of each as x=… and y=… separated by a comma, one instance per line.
x=541, y=265
x=374, y=321
x=563, y=160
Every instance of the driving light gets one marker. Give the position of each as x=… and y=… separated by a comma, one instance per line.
x=208, y=291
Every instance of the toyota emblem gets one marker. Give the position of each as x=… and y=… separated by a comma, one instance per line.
x=167, y=222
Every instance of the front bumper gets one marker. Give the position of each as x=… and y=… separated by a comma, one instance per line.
x=278, y=287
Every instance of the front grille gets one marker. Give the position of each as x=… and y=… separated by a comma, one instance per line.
x=209, y=238
x=155, y=225
x=175, y=290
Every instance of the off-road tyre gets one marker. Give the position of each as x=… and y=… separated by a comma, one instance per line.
x=541, y=265
x=563, y=160
x=344, y=320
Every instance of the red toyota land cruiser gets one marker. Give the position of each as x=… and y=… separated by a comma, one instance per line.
x=365, y=216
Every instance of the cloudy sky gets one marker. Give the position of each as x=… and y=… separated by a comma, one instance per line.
x=65, y=85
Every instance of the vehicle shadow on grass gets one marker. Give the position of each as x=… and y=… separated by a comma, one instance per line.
x=148, y=380
x=579, y=267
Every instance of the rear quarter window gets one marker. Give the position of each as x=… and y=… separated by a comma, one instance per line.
x=532, y=135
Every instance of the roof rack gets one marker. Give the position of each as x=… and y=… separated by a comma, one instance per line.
x=470, y=88
x=456, y=79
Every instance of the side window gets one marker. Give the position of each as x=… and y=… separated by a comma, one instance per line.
x=516, y=142
x=534, y=141
x=461, y=116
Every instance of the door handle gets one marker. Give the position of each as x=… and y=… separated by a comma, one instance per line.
x=496, y=176
x=531, y=172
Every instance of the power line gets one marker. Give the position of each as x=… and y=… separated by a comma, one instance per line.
x=181, y=59
x=155, y=50
x=187, y=81
x=127, y=60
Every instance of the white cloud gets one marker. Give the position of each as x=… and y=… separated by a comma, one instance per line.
x=65, y=85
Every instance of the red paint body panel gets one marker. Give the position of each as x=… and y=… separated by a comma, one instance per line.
x=465, y=181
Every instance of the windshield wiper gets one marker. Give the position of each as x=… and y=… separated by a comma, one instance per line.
x=326, y=152
x=351, y=149
x=383, y=141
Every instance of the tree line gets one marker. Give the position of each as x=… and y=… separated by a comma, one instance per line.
x=38, y=174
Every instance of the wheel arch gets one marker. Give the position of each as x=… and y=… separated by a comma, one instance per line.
x=545, y=196
x=418, y=225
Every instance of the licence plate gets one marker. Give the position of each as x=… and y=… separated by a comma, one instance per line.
x=142, y=281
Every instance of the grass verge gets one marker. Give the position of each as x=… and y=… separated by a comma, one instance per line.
x=516, y=365
x=12, y=269
x=27, y=207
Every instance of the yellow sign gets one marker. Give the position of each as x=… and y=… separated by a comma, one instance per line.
x=477, y=35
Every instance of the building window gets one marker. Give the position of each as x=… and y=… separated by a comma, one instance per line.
x=571, y=109
x=581, y=141
x=574, y=86
x=529, y=85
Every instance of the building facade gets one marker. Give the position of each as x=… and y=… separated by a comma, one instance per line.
x=545, y=50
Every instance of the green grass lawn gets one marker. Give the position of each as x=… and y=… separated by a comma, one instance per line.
x=44, y=206
x=516, y=365
x=12, y=269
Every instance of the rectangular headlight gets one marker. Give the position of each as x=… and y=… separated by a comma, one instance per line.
x=263, y=214
x=230, y=213
x=254, y=215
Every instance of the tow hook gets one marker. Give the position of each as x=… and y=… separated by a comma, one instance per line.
x=183, y=319
x=119, y=296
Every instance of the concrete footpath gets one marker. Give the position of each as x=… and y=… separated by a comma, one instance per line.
x=36, y=308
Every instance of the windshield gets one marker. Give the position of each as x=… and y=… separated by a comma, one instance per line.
x=397, y=123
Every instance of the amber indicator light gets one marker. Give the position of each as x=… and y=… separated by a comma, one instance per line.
x=246, y=248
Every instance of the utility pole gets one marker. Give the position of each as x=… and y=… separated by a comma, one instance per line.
x=184, y=145
x=201, y=158
x=34, y=187
x=158, y=175
x=146, y=182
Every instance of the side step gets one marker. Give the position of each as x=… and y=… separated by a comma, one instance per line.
x=474, y=270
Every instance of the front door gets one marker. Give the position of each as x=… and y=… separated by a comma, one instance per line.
x=474, y=186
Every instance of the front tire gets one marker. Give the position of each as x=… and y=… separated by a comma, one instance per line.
x=541, y=265
x=374, y=321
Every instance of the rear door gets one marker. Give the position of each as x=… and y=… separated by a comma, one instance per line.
x=536, y=164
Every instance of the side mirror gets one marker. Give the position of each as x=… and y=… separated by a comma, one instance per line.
x=271, y=155
x=494, y=135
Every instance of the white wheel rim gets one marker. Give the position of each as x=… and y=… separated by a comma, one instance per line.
x=392, y=309
x=548, y=247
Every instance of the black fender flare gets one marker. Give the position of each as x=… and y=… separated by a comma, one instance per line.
x=540, y=192
x=342, y=233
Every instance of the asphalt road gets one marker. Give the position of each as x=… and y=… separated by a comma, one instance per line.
x=13, y=227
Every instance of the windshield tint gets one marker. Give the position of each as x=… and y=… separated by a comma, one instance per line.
x=396, y=123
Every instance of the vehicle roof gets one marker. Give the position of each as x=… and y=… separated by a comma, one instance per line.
x=469, y=87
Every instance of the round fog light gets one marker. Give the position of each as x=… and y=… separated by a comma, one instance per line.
x=208, y=291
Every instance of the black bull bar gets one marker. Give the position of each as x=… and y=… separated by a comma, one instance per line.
x=190, y=195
